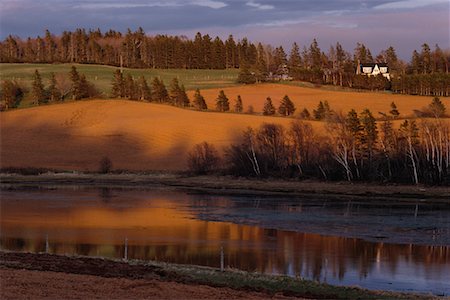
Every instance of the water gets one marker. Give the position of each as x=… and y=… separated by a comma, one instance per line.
x=191, y=229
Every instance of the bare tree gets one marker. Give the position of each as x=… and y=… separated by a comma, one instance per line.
x=203, y=158
x=301, y=136
x=63, y=84
x=409, y=133
x=341, y=143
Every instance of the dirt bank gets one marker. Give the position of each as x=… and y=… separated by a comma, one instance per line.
x=37, y=276
x=225, y=185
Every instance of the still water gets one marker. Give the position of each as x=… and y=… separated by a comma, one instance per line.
x=177, y=227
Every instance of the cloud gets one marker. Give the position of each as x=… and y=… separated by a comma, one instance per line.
x=259, y=5
x=146, y=4
x=210, y=4
x=408, y=4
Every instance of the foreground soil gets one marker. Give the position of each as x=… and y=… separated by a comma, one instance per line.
x=25, y=276
x=25, y=284
x=38, y=276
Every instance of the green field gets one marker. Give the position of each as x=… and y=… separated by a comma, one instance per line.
x=102, y=76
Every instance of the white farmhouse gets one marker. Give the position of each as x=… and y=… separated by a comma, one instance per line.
x=374, y=69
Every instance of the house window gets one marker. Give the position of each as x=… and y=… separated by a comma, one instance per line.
x=383, y=70
x=367, y=70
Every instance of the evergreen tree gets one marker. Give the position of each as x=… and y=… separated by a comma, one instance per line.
x=295, y=60
x=144, y=90
x=279, y=61
x=245, y=76
x=118, y=85
x=37, y=91
x=286, y=107
x=261, y=64
x=130, y=88
x=54, y=93
x=269, y=109
x=199, y=101
x=174, y=91
x=184, y=99
x=323, y=111
x=159, y=91
x=305, y=114
x=369, y=133
x=238, y=106
x=84, y=88
x=437, y=108
x=222, y=103
x=178, y=94
x=75, y=87
x=394, y=111
x=352, y=123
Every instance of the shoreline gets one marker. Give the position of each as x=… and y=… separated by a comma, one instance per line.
x=257, y=286
x=226, y=185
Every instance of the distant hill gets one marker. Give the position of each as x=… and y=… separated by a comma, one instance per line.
x=101, y=76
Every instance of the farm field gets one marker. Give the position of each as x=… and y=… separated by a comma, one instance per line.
x=306, y=97
x=146, y=136
x=134, y=135
x=102, y=75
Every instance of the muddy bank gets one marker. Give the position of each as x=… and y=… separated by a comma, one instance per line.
x=25, y=275
x=224, y=185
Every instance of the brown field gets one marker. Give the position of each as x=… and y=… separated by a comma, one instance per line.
x=143, y=136
x=304, y=97
x=134, y=135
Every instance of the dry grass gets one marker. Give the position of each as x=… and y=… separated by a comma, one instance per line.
x=304, y=97
x=135, y=136
x=142, y=136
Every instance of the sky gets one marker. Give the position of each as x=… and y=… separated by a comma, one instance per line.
x=404, y=24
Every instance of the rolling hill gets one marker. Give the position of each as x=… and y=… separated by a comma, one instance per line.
x=306, y=97
x=134, y=135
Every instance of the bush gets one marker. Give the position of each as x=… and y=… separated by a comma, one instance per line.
x=105, y=165
x=203, y=159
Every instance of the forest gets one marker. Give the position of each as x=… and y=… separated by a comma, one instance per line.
x=427, y=72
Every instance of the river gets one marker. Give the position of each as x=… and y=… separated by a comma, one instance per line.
x=266, y=235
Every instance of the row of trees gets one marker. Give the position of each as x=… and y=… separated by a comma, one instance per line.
x=257, y=62
x=132, y=49
x=355, y=147
x=73, y=86
x=128, y=88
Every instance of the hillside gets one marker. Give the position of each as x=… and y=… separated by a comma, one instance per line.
x=304, y=97
x=134, y=135
x=102, y=76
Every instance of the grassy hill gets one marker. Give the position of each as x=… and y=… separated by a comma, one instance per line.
x=102, y=76
x=134, y=135
x=309, y=97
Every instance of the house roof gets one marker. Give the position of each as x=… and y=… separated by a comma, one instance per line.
x=372, y=65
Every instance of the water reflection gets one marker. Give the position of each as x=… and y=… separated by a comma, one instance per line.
x=164, y=226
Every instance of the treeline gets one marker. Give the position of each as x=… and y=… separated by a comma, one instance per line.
x=132, y=50
x=60, y=87
x=427, y=73
x=355, y=147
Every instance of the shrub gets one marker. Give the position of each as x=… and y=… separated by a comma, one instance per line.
x=105, y=165
x=203, y=159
